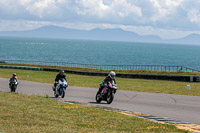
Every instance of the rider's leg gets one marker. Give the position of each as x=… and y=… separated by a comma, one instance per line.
x=54, y=87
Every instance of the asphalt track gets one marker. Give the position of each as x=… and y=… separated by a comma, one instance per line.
x=176, y=107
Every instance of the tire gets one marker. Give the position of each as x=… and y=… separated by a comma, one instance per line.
x=13, y=88
x=110, y=98
x=98, y=99
x=56, y=95
x=63, y=94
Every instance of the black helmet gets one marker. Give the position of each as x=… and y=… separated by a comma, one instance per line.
x=62, y=72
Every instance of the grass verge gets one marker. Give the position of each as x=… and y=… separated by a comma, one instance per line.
x=34, y=114
x=144, y=85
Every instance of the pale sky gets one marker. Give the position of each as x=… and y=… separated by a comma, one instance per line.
x=165, y=18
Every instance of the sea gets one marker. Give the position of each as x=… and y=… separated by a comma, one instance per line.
x=99, y=52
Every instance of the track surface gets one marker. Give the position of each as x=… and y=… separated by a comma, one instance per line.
x=176, y=107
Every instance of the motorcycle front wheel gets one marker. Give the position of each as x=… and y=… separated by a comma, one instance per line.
x=63, y=94
x=110, y=98
x=13, y=88
x=55, y=94
x=98, y=99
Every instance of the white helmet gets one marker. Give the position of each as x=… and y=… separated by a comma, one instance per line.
x=112, y=74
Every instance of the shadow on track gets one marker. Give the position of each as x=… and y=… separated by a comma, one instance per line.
x=96, y=103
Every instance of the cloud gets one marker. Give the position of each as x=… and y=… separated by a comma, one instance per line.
x=164, y=9
x=43, y=9
x=158, y=14
x=122, y=8
x=72, y=8
x=99, y=11
x=91, y=8
x=193, y=12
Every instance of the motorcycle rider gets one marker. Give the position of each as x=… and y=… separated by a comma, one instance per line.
x=108, y=80
x=14, y=77
x=59, y=76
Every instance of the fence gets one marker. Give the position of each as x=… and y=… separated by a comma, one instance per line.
x=106, y=67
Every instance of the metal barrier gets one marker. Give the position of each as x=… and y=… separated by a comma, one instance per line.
x=21, y=67
x=106, y=67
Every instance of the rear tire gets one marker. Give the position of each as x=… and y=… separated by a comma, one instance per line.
x=110, y=98
x=98, y=99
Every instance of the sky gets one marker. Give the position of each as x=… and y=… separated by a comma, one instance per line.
x=168, y=19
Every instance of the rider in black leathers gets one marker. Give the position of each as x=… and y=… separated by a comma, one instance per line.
x=12, y=78
x=109, y=79
x=59, y=76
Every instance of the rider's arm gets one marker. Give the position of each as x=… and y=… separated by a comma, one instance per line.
x=65, y=77
x=106, y=80
x=115, y=81
x=57, y=78
x=10, y=79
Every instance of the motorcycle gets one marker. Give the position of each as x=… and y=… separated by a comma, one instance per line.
x=61, y=88
x=13, y=85
x=107, y=93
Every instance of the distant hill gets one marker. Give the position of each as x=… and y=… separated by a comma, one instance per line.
x=190, y=39
x=97, y=34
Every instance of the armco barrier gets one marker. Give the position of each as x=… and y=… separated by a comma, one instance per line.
x=184, y=78
x=21, y=67
x=106, y=67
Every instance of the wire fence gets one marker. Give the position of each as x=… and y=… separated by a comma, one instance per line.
x=106, y=67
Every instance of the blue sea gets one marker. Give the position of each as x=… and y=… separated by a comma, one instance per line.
x=99, y=52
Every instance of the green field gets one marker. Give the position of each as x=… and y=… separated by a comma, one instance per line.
x=35, y=114
x=144, y=85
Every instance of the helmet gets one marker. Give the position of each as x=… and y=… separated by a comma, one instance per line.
x=62, y=72
x=112, y=74
x=14, y=74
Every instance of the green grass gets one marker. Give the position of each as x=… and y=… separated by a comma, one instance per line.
x=157, y=86
x=35, y=114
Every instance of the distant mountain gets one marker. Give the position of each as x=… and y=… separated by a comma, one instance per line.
x=97, y=34
x=190, y=39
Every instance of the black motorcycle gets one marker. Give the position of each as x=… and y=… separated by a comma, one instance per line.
x=106, y=94
x=13, y=85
